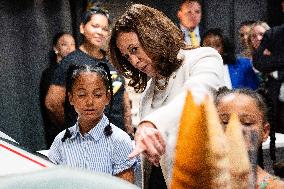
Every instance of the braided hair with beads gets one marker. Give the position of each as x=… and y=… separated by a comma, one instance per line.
x=72, y=74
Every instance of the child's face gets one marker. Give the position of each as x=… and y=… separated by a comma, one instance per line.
x=89, y=96
x=255, y=129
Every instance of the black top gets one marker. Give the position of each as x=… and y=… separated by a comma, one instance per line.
x=79, y=57
x=50, y=129
x=273, y=40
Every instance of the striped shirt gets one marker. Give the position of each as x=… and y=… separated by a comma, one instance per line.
x=94, y=151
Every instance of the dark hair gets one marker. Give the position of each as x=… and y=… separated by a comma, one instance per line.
x=96, y=9
x=52, y=55
x=264, y=103
x=228, y=48
x=72, y=75
x=159, y=37
x=57, y=36
x=189, y=1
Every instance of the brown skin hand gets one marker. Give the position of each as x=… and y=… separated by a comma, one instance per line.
x=54, y=103
x=127, y=175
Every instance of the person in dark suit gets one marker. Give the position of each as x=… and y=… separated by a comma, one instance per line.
x=269, y=57
x=189, y=16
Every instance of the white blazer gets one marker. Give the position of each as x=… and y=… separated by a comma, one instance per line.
x=201, y=70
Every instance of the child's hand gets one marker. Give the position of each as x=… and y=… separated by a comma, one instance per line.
x=150, y=142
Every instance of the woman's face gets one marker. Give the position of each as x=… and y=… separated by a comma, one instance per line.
x=215, y=42
x=96, y=30
x=255, y=129
x=130, y=47
x=257, y=35
x=65, y=45
x=244, y=34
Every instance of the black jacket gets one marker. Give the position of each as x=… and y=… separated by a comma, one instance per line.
x=273, y=40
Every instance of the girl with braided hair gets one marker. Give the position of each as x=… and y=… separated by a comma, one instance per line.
x=93, y=143
x=251, y=108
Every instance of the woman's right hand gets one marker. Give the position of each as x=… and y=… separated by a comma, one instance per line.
x=149, y=141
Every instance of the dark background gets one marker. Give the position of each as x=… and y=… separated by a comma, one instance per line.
x=26, y=31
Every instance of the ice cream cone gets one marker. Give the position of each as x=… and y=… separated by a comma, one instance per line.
x=201, y=152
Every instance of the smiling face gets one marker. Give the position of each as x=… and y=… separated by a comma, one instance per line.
x=130, y=47
x=96, y=30
x=189, y=14
x=255, y=129
x=89, y=97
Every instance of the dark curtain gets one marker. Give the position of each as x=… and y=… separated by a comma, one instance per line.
x=27, y=28
x=275, y=14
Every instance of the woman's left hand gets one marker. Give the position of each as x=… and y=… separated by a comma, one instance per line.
x=150, y=142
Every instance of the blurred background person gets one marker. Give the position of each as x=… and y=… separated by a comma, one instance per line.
x=269, y=57
x=244, y=31
x=63, y=43
x=238, y=71
x=268, y=78
x=255, y=36
x=189, y=16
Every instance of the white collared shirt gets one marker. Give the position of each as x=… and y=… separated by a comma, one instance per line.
x=185, y=32
x=94, y=151
x=227, y=78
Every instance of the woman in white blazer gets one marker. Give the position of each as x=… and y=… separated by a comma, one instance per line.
x=147, y=48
